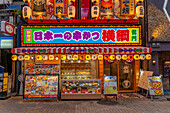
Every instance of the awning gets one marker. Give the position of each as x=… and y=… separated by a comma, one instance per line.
x=102, y=50
x=13, y=7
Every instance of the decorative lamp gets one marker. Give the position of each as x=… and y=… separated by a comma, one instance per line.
x=88, y=57
x=94, y=57
x=136, y=57
x=26, y=12
x=26, y=57
x=82, y=57
x=106, y=57
x=118, y=57
x=39, y=57
x=100, y=57
x=153, y=62
x=63, y=57
x=20, y=58
x=14, y=57
x=130, y=57
x=75, y=57
x=112, y=57
x=69, y=57
x=51, y=57
x=148, y=57
x=45, y=57
x=124, y=57
x=142, y=57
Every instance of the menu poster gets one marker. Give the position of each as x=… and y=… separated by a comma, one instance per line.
x=110, y=85
x=143, y=80
x=155, y=85
x=41, y=86
x=42, y=69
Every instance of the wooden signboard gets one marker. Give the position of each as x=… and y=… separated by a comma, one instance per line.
x=143, y=80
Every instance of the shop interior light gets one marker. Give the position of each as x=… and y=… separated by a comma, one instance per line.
x=32, y=57
x=153, y=62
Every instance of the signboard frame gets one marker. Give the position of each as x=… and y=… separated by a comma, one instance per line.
x=82, y=42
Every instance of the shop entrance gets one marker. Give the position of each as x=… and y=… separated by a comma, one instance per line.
x=124, y=71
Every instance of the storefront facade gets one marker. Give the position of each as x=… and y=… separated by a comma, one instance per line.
x=67, y=53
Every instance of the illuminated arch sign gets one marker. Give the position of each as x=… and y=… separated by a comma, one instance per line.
x=80, y=35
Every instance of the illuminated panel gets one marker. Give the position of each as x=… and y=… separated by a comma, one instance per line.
x=60, y=7
x=127, y=7
x=39, y=8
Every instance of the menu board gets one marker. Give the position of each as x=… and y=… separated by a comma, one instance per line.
x=42, y=69
x=155, y=85
x=41, y=86
x=143, y=80
x=110, y=85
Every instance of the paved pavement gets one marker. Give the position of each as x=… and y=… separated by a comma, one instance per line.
x=124, y=105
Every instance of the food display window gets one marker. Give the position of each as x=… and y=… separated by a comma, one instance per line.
x=81, y=89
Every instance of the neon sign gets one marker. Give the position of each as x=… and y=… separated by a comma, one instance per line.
x=102, y=35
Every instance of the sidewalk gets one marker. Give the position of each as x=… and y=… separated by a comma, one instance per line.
x=124, y=105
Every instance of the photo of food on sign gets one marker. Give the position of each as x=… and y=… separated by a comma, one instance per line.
x=42, y=69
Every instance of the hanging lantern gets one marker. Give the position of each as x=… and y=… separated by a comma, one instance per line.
x=124, y=57
x=26, y=57
x=75, y=57
x=140, y=11
x=27, y=1
x=26, y=12
x=51, y=57
x=94, y=57
x=106, y=57
x=88, y=57
x=20, y=58
x=130, y=57
x=63, y=57
x=136, y=57
x=69, y=57
x=82, y=57
x=118, y=57
x=39, y=57
x=112, y=57
x=45, y=57
x=148, y=57
x=14, y=57
x=142, y=57
x=100, y=57
x=56, y=58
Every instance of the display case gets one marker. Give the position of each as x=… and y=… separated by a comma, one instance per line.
x=81, y=89
x=76, y=70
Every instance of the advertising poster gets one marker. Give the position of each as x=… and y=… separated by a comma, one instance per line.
x=39, y=7
x=106, y=8
x=41, y=86
x=42, y=69
x=84, y=35
x=110, y=85
x=155, y=85
x=127, y=7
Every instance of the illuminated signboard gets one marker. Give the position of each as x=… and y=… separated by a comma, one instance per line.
x=80, y=35
x=6, y=42
x=127, y=7
x=39, y=7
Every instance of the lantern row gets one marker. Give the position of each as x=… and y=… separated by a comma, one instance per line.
x=82, y=57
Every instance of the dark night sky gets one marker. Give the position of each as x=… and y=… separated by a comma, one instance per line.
x=159, y=4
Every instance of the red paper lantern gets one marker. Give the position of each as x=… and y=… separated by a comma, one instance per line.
x=106, y=57
x=130, y=57
x=82, y=57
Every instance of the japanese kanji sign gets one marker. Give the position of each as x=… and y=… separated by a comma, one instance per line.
x=127, y=7
x=80, y=36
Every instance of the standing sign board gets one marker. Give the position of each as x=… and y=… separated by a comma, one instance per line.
x=110, y=85
x=143, y=80
x=155, y=85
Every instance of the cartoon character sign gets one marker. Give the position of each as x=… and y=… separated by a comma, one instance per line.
x=39, y=7
x=106, y=8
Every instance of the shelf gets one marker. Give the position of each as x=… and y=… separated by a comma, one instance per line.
x=79, y=93
x=75, y=63
x=77, y=75
x=80, y=80
x=81, y=86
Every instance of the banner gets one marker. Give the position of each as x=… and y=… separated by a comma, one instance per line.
x=110, y=85
x=155, y=85
x=80, y=35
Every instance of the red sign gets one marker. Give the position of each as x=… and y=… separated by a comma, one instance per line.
x=8, y=28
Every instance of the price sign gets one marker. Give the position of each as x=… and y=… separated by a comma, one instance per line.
x=155, y=85
x=110, y=85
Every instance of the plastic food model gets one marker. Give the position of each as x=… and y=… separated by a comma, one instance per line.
x=79, y=89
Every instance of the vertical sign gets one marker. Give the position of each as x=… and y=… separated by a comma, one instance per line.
x=155, y=85
x=60, y=7
x=39, y=8
x=127, y=7
x=106, y=7
x=110, y=85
